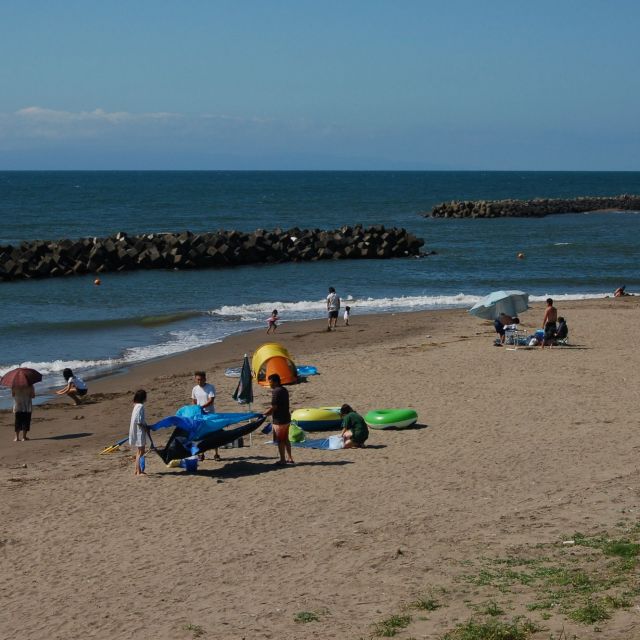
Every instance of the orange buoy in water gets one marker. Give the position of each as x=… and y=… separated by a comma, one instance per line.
x=520, y=256
x=97, y=281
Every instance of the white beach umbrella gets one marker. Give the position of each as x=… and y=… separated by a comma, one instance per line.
x=510, y=302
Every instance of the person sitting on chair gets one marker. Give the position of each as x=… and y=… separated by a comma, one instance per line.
x=501, y=322
x=562, y=331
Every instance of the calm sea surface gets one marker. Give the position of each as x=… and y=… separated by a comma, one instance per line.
x=51, y=324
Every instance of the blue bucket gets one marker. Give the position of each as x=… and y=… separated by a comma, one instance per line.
x=190, y=465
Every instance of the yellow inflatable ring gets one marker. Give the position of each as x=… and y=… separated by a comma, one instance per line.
x=320, y=419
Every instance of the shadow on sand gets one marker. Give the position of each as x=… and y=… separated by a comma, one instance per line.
x=414, y=427
x=250, y=467
x=66, y=436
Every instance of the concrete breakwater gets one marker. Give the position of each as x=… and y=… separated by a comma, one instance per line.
x=532, y=208
x=122, y=252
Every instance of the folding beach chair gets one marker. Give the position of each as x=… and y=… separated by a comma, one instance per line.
x=514, y=337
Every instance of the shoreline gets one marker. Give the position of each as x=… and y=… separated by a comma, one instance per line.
x=97, y=374
x=299, y=328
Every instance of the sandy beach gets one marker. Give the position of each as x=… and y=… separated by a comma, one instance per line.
x=514, y=452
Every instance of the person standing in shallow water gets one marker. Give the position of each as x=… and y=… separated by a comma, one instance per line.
x=333, y=308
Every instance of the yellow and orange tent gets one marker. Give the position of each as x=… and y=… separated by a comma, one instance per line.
x=273, y=358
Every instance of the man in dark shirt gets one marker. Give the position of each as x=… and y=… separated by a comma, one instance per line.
x=281, y=417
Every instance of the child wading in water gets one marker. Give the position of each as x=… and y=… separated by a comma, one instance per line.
x=138, y=429
x=272, y=321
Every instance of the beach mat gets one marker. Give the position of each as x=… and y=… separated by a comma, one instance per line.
x=303, y=371
x=306, y=370
x=330, y=443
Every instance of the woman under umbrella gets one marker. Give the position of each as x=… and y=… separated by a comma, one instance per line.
x=21, y=381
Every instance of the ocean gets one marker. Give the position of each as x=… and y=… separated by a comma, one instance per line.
x=69, y=322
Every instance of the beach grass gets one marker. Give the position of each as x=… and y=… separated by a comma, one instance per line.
x=492, y=609
x=303, y=617
x=425, y=603
x=388, y=627
x=583, y=580
x=492, y=629
x=196, y=630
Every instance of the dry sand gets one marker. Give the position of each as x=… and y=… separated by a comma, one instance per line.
x=513, y=449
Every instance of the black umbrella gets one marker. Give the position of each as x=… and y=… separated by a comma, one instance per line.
x=244, y=391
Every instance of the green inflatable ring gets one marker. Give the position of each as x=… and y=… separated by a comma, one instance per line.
x=391, y=418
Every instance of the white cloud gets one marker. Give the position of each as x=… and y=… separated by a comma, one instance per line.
x=34, y=128
x=40, y=114
x=33, y=123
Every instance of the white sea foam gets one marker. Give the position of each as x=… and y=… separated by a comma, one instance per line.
x=57, y=366
x=180, y=341
x=569, y=296
x=315, y=308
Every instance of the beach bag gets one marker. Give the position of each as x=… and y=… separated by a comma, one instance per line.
x=296, y=434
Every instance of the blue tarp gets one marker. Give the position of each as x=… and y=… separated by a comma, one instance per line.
x=198, y=424
x=306, y=370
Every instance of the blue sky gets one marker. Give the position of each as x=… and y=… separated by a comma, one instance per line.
x=403, y=84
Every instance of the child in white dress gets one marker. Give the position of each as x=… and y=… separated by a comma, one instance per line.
x=138, y=428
